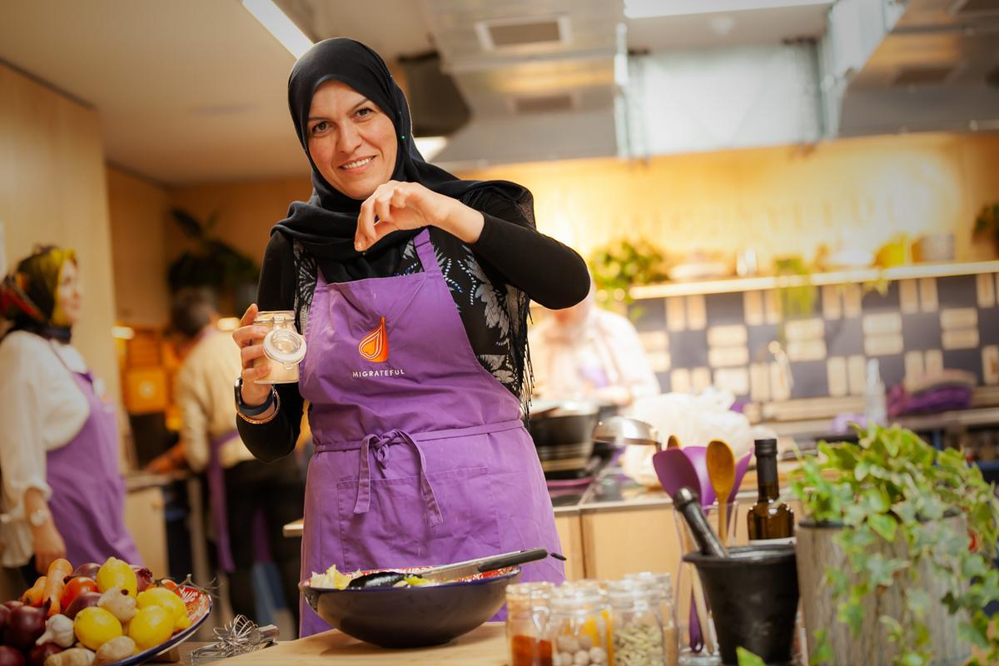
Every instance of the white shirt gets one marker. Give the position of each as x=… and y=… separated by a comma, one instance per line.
x=207, y=402
x=584, y=359
x=41, y=409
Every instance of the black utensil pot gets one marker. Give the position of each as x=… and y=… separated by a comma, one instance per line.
x=754, y=598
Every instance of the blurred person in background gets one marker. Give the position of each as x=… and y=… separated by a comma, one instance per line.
x=63, y=494
x=239, y=486
x=587, y=353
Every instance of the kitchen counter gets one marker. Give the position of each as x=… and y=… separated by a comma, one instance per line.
x=485, y=646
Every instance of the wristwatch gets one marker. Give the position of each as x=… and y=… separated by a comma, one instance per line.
x=39, y=517
x=247, y=412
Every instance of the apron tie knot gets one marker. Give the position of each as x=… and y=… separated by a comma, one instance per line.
x=381, y=444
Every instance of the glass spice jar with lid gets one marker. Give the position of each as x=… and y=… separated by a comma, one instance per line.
x=284, y=347
x=636, y=624
x=526, y=620
x=667, y=611
x=577, y=626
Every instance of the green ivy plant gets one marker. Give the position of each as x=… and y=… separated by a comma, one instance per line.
x=891, y=485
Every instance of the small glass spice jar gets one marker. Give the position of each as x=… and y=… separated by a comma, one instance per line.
x=667, y=611
x=284, y=348
x=636, y=624
x=577, y=627
x=526, y=619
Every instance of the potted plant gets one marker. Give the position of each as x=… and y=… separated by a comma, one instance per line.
x=895, y=557
x=213, y=264
x=987, y=223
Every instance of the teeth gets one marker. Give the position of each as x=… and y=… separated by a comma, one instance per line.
x=358, y=163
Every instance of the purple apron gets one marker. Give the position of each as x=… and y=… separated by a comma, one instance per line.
x=88, y=493
x=216, y=498
x=420, y=454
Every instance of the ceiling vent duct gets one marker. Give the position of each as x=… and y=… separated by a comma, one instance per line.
x=436, y=105
x=509, y=33
x=543, y=104
x=968, y=8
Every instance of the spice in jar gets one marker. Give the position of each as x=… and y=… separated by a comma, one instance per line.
x=527, y=615
x=284, y=348
x=577, y=627
x=671, y=634
x=637, y=624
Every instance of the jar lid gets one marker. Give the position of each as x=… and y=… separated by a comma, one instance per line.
x=284, y=346
x=630, y=591
x=536, y=591
x=569, y=597
x=663, y=580
x=274, y=316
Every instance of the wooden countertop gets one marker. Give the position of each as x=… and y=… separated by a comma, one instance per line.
x=486, y=646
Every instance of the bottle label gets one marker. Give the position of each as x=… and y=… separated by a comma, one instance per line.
x=772, y=542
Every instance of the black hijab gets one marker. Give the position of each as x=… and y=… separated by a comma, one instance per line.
x=325, y=225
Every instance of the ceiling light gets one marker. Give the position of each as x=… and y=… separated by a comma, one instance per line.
x=122, y=332
x=430, y=146
x=635, y=9
x=279, y=25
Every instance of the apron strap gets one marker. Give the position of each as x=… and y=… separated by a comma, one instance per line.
x=425, y=251
x=381, y=451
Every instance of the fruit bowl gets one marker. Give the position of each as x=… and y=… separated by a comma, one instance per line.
x=199, y=606
x=405, y=617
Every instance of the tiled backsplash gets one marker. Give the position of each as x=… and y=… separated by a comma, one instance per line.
x=919, y=324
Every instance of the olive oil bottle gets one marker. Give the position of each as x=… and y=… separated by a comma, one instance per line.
x=770, y=520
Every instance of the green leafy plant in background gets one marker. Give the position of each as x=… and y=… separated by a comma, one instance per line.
x=987, y=222
x=623, y=264
x=212, y=263
x=796, y=296
x=894, y=486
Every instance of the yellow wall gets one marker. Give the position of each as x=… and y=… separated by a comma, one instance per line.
x=857, y=192
x=139, y=212
x=53, y=190
x=778, y=200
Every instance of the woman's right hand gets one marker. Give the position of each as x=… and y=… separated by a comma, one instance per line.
x=250, y=340
x=48, y=545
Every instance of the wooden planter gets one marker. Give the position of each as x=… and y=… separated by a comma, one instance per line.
x=817, y=551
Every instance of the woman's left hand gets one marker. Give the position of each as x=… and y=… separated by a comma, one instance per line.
x=399, y=206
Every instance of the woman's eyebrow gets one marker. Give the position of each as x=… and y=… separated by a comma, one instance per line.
x=352, y=109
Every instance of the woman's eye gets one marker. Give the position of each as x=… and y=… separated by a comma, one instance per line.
x=365, y=111
x=319, y=127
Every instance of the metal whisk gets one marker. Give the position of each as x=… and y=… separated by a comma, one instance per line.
x=240, y=636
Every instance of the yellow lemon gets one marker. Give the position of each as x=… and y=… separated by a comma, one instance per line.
x=117, y=573
x=95, y=626
x=160, y=596
x=151, y=626
x=183, y=622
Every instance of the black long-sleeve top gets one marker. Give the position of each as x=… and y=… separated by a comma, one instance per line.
x=491, y=282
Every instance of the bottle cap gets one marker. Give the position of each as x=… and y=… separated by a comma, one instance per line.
x=766, y=447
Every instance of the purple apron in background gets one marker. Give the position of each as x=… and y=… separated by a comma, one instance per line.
x=216, y=498
x=88, y=493
x=420, y=454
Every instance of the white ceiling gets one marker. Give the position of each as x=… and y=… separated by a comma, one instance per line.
x=192, y=90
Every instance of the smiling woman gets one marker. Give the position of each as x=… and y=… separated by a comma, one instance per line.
x=412, y=288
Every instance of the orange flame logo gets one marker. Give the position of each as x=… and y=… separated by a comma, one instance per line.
x=374, y=345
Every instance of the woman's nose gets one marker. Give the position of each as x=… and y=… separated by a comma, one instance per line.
x=348, y=139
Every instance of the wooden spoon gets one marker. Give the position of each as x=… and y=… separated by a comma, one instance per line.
x=721, y=471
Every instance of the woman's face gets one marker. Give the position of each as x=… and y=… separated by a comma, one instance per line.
x=69, y=293
x=351, y=141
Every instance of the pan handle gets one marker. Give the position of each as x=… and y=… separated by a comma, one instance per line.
x=512, y=559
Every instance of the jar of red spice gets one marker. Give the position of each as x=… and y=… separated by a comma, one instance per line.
x=526, y=621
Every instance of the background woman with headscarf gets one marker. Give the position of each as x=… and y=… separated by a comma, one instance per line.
x=63, y=494
x=421, y=453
